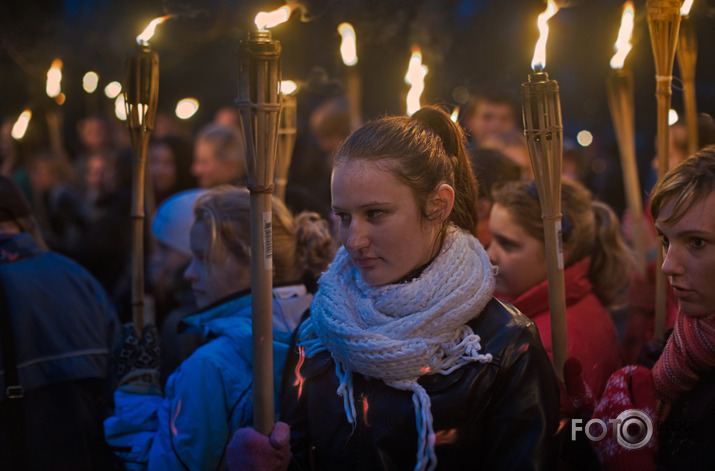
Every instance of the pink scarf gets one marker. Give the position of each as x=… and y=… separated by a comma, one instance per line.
x=689, y=353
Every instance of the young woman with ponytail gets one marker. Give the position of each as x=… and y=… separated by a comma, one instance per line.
x=407, y=361
x=598, y=266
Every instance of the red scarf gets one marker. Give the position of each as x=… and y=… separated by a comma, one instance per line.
x=689, y=353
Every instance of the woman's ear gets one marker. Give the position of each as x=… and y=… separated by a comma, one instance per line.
x=443, y=202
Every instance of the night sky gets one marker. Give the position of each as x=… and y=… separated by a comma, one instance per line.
x=466, y=44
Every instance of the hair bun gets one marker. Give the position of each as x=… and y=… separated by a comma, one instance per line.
x=437, y=120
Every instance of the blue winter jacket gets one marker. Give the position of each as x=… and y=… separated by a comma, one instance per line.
x=209, y=396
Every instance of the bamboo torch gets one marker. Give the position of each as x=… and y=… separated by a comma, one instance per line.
x=353, y=88
x=141, y=93
x=259, y=103
x=541, y=107
x=415, y=77
x=663, y=24
x=620, y=100
x=687, y=53
x=287, y=131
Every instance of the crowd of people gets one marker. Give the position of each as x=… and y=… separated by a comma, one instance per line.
x=411, y=318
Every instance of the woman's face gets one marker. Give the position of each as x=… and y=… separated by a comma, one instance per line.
x=380, y=224
x=212, y=281
x=163, y=168
x=208, y=169
x=519, y=257
x=689, y=256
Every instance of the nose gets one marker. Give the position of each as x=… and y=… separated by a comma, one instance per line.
x=672, y=262
x=190, y=273
x=492, y=253
x=357, y=237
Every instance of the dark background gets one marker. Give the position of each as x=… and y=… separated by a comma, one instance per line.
x=467, y=45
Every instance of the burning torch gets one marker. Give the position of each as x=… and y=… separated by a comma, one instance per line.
x=259, y=103
x=541, y=108
x=287, y=131
x=620, y=100
x=663, y=24
x=141, y=92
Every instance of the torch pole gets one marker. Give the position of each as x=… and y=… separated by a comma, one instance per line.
x=620, y=101
x=687, y=53
x=287, y=131
x=141, y=96
x=663, y=24
x=544, y=134
x=259, y=103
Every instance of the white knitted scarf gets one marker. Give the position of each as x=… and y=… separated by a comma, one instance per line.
x=400, y=332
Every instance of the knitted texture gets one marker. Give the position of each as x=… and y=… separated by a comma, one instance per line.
x=629, y=388
x=689, y=353
x=400, y=332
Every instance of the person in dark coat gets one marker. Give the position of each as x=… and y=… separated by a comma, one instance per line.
x=407, y=361
x=58, y=329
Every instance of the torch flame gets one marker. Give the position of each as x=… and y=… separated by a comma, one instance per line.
x=54, y=77
x=146, y=35
x=288, y=87
x=348, y=48
x=455, y=114
x=685, y=8
x=623, y=43
x=415, y=77
x=265, y=20
x=20, y=126
x=539, y=60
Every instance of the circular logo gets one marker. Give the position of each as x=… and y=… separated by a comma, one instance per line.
x=634, y=429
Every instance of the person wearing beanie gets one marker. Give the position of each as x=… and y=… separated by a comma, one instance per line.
x=173, y=296
x=57, y=329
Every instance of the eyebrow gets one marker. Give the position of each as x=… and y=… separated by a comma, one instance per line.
x=362, y=206
x=687, y=232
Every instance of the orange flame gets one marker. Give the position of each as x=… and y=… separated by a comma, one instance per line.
x=299, y=380
x=539, y=60
x=20, y=126
x=54, y=77
x=623, y=43
x=415, y=77
x=685, y=8
x=148, y=33
x=365, y=407
x=455, y=114
x=348, y=47
x=265, y=20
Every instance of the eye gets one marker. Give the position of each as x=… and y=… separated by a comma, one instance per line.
x=374, y=213
x=697, y=242
x=343, y=217
x=664, y=241
x=506, y=244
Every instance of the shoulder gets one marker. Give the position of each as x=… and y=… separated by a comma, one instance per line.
x=499, y=321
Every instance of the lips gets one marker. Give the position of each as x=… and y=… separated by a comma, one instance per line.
x=680, y=292
x=365, y=262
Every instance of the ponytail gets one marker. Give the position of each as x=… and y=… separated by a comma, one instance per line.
x=612, y=261
x=464, y=212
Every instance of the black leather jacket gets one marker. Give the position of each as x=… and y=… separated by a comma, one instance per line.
x=494, y=416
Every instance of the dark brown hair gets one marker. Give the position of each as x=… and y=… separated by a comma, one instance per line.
x=422, y=151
